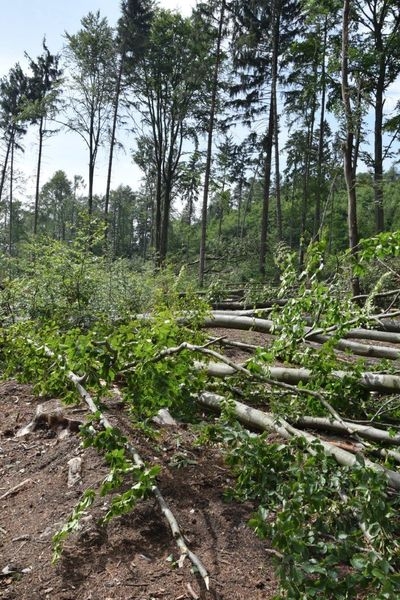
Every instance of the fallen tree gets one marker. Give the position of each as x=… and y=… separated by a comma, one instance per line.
x=374, y=382
x=368, y=432
x=257, y=419
x=137, y=460
x=245, y=323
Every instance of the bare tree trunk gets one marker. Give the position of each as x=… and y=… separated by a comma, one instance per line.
x=267, y=190
x=321, y=138
x=112, y=142
x=277, y=177
x=10, y=225
x=91, y=166
x=203, y=240
x=4, y=169
x=158, y=211
x=38, y=169
x=348, y=147
x=165, y=223
x=269, y=138
x=378, y=155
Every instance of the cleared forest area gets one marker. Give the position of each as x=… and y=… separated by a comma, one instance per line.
x=299, y=396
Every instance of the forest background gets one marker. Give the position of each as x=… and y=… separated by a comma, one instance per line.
x=238, y=119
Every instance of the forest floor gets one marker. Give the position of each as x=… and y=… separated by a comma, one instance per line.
x=134, y=556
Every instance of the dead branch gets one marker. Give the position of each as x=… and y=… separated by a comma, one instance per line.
x=15, y=489
x=176, y=533
x=76, y=380
x=233, y=344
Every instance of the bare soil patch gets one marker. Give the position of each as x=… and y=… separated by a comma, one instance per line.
x=134, y=557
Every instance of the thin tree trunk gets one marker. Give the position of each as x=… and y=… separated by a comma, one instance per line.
x=165, y=223
x=348, y=147
x=91, y=166
x=321, y=137
x=38, y=170
x=267, y=190
x=158, y=215
x=112, y=142
x=269, y=138
x=204, y=211
x=374, y=382
x=4, y=169
x=10, y=225
x=378, y=155
x=277, y=176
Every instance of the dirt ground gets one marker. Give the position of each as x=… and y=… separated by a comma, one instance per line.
x=135, y=556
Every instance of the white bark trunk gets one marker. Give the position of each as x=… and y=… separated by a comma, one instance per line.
x=376, y=382
x=257, y=419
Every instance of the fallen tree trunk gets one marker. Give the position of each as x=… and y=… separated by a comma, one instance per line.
x=377, y=333
x=387, y=324
x=357, y=348
x=232, y=321
x=367, y=432
x=254, y=418
x=375, y=382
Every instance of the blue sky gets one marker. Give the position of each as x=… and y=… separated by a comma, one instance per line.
x=25, y=22
x=23, y=25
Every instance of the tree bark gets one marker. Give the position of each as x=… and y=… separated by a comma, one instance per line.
x=321, y=137
x=378, y=149
x=10, y=202
x=268, y=144
x=365, y=431
x=267, y=326
x=269, y=137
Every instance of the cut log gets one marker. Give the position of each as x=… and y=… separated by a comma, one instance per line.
x=358, y=348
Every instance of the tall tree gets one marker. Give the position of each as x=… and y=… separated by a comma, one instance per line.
x=349, y=147
x=57, y=215
x=305, y=104
x=43, y=92
x=132, y=38
x=91, y=60
x=167, y=85
x=262, y=34
x=379, y=61
x=221, y=11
